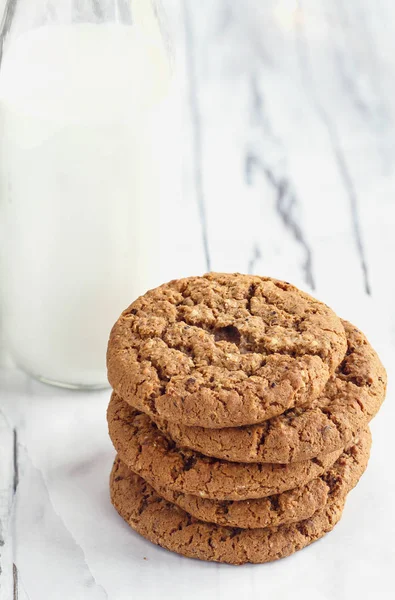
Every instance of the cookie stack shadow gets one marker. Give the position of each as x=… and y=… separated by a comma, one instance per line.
x=239, y=416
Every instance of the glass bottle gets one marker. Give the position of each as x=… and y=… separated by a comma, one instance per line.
x=81, y=89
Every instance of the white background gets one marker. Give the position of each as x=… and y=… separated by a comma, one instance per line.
x=288, y=170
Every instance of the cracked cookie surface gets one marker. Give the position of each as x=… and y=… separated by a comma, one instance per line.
x=150, y=453
x=289, y=507
x=350, y=399
x=223, y=350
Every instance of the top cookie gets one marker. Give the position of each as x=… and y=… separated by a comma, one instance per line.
x=223, y=350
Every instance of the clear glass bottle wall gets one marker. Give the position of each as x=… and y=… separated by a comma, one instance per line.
x=82, y=85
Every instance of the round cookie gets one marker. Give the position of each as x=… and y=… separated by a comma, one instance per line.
x=223, y=350
x=349, y=401
x=148, y=452
x=289, y=507
x=171, y=527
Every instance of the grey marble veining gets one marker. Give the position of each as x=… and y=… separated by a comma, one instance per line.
x=293, y=121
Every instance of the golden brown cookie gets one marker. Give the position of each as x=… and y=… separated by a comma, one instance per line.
x=289, y=507
x=349, y=401
x=148, y=452
x=169, y=526
x=223, y=350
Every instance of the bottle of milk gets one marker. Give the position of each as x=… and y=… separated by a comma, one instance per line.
x=81, y=89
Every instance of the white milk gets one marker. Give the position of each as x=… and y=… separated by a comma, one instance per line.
x=79, y=177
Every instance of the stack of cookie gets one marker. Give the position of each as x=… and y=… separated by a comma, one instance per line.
x=240, y=416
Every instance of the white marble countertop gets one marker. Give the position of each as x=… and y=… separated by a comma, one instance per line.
x=288, y=170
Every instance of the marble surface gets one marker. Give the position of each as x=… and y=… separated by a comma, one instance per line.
x=288, y=169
